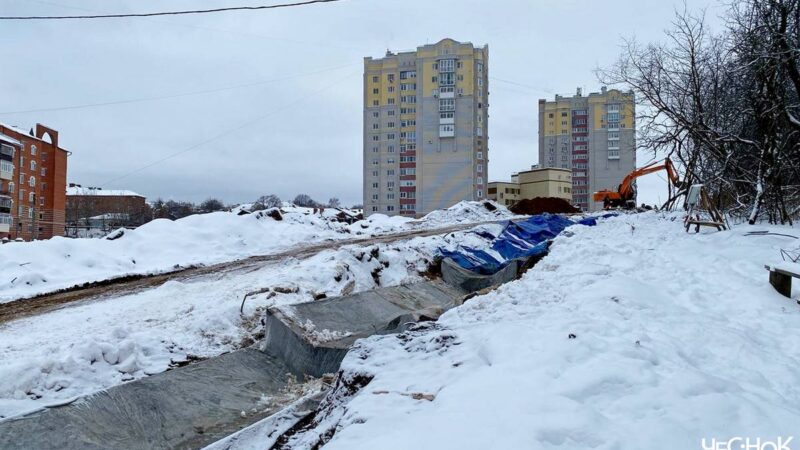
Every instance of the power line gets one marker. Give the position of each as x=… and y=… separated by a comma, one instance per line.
x=546, y=91
x=228, y=131
x=168, y=96
x=205, y=28
x=169, y=13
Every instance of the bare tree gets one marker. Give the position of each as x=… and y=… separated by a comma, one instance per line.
x=211, y=205
x=718, y=104
x=268, y=201
x=334, y=202
x=305, y=200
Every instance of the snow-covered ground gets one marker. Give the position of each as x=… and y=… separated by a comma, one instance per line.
x=57, y=356
x=629, y=335
x=33, y=268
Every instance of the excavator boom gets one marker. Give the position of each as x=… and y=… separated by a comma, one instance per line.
x=624, y=194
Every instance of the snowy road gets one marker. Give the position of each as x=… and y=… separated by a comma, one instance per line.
x=124, y=286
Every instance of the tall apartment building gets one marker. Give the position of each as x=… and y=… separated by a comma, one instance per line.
x=425, y=128
x=592, y=135
x=33, y=197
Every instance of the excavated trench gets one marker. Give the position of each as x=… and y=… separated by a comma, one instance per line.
x=199, y=404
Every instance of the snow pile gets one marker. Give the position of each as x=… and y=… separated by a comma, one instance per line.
x=57, y=356
x=467, y=212
x=632, y=334
x=33, y=268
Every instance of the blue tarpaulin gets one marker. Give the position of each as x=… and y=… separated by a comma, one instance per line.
x=520, y=239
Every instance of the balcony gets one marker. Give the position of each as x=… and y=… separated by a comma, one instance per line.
x=5, y=222
x=6, y=153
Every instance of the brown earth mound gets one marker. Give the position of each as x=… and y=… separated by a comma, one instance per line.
x=541, y=205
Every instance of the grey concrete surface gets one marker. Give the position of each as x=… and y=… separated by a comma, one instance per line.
x=187, y=407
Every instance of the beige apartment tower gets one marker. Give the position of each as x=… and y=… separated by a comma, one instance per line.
x=594, y=136
x=425, y=128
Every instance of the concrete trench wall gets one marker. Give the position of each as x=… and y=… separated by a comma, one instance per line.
x=313, y=338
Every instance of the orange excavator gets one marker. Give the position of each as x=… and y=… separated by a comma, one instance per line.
x=625, y=195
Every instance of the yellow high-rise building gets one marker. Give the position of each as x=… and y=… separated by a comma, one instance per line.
x=425, y=128
x=594, y=136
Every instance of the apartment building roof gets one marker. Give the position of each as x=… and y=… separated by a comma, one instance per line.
x=77, y=190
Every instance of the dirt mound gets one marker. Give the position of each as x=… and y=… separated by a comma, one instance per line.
x=541, y=205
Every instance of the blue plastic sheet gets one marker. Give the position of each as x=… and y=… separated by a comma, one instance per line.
x=520, y=239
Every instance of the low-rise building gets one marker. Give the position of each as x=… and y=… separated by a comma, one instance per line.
x=504, y=192
x=35, y=192
x=549, y=182
x=530, y=184
x=94, y=207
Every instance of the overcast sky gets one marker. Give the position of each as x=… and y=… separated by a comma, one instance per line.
x=296, y=124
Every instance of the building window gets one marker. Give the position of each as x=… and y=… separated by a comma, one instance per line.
x=375, y=103
x=391, y=149
x=408, y=74
x=390, y=124
x=374, y=126
x=390, y=208
x=404, y=171
x=480, y=168
x=390, y=112
x=390, y=136
x=11, y=187
x=374, y=173
x=31, y=197
x=480, y=155
x=390, y=172
x=374, y=196
x=447, y=79
x=447, y=115
x=375, y=91
x=375, y=79
x=375, y=114
x=446, y=65
x=374, y=185
x=32, y=181
x=374, y=162
x=33, y=147
x=391, y=101
x=390, y=196
x=480, y=193
x=375, y=138
x=447, y=104
x=374, y=209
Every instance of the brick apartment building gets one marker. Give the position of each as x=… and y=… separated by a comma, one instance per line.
x=33, y=179
x=89, y=206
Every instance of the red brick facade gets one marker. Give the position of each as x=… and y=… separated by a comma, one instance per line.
x=38, y=187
